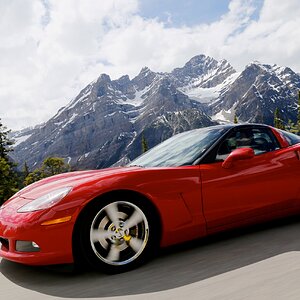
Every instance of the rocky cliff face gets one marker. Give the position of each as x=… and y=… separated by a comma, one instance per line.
x=104, y=124
x=257, y=92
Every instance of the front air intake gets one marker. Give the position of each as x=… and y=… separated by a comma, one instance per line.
x=4, y=244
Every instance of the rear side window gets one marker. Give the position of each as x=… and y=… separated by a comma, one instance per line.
x=290, y=137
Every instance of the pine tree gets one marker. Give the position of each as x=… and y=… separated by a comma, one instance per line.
x=276, y=115
x=8, y=181
x=290, y=126
x=25, y=169
x=8, y=176
x=5, y=143
x=51, y=166
x=235, y=119
x=34, y=176
x=25, y=172
x=144, y=144
x=278, y=123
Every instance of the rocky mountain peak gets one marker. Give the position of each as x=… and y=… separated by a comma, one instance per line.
x=257, y=92
x=276, y=73
x=123, y=80
x=103, y=78
x=202, y=71
x=145, y=71
x=198, y=61
x=195, y=67
x=144, y=78
x=254, y=66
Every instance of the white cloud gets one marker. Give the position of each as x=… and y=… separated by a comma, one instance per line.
x=44, y=64
x=51, y=49
x=19, y=21
x=273, y=38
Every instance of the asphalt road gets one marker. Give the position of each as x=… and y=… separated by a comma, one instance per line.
x=261, y=262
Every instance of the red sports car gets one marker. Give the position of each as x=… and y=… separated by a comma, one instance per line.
x=195, y=183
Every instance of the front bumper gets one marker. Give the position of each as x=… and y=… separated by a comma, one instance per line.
x=54, y=241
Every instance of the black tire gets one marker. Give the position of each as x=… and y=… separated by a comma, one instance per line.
x=115, y=248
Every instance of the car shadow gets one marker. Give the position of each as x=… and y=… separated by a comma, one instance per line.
x=173, y=267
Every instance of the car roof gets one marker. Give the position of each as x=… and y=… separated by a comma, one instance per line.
x=232, y=125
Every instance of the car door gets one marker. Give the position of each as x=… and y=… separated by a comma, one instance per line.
x=250, y=189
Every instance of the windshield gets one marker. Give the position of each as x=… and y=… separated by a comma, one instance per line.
x=290, y=137
x=181, y=149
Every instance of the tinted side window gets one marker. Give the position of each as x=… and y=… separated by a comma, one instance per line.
x=290, y=137
x=259, y=139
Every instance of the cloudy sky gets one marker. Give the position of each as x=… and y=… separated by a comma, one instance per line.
x=50, y=49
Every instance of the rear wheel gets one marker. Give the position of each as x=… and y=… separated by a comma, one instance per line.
x=115, y=236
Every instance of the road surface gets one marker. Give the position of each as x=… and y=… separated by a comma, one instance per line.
x=254, y=263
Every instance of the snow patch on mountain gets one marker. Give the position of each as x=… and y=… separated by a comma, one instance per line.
x=70, y=120
x=205, y=95
x=83, y=98
x=137, y=101
x=225, y=116
x=21, y=139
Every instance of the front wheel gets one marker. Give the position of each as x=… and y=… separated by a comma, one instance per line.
x=115, y=236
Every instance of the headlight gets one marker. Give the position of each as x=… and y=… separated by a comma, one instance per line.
x=46, y=201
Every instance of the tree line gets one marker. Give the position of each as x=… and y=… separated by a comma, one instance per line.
x=8, y=176
x=290, y=126
x=12, y=180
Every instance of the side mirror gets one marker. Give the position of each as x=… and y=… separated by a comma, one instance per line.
x=237, y=154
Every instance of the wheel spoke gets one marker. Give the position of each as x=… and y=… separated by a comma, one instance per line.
x=98, y=234
x=135, y=244
x=119, y=233
x=114, y=253
x=135, y=219
x=113, y=213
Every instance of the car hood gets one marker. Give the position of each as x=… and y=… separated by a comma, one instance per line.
x=72, y=179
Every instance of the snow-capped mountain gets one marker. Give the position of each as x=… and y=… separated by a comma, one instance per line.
x=104, y=124
x=255, y=94
x=201, y=72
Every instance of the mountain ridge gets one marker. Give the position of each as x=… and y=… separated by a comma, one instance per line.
x=105, y=122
